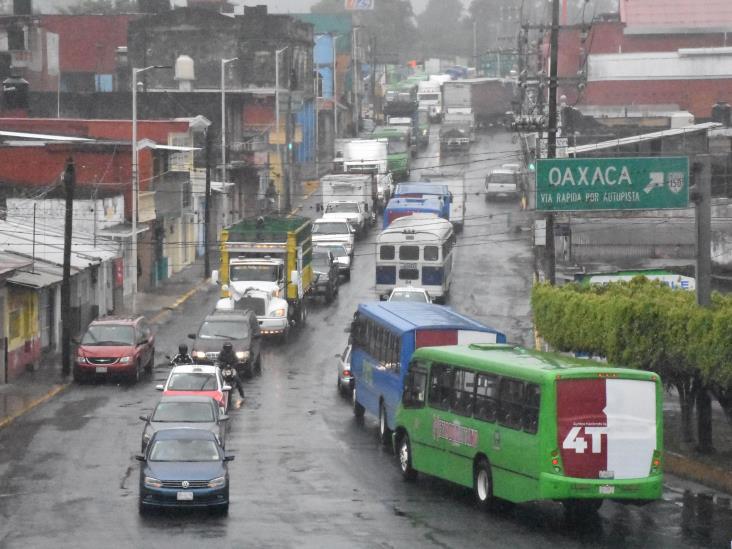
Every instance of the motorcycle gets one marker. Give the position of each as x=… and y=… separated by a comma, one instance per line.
x=228, y=372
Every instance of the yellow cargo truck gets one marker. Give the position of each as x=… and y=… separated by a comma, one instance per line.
x=271, y=254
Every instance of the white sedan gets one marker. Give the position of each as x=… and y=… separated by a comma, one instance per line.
x=410, y=293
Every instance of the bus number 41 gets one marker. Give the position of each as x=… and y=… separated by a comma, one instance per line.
x=574, y=441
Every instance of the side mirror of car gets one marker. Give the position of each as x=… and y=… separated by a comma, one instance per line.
x=226, y=388
x=383, y=297
x=338, y=355
x=168, y=357
x=159, y=387
x=145, y=418
x=75, y=340
x=229, y=458
x=191, y=336
x=140, y=457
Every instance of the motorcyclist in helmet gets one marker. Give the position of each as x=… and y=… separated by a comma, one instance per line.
x=182, y=357
x=227, y=357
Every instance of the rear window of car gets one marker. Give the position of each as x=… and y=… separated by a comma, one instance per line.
x=183, y=412
x=192, y=381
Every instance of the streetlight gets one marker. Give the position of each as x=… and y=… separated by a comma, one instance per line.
x=184, y=65
x=223, y=116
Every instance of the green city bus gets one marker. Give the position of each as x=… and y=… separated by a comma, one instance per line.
x=522, y=425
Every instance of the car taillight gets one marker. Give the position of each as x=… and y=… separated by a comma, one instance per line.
x=346, y=373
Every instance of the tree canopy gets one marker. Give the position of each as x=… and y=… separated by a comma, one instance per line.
x=103, y=7
x=441, y=29
x=391, y=22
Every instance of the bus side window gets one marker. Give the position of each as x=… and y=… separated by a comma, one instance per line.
x=414, y=387
x=511, y=403
x=461, y=401
x=532, y=398
x=485, y=397
x=440, y=386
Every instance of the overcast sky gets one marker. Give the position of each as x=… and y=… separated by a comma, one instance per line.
x=297, y=6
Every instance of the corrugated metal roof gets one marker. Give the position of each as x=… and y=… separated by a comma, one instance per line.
x=48, y=245
x=641, y=138
x=10, y=262
x=35, y=279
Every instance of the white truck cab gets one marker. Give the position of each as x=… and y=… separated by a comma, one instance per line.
x=352, y=211
x=271, y=311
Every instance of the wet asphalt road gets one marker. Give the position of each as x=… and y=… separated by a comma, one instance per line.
x=306, y=473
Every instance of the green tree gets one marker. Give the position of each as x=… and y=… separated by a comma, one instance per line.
x=103, y=7
x=441, y=29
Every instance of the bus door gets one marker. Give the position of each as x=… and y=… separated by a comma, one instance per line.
x=606, y=428
x=419, y=423
x=515, y=445
x=454, y=427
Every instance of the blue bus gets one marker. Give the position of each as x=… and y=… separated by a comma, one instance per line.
x=426, y=190
x=385, y=334
x=401, y=207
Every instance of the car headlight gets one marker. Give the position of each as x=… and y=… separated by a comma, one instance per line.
x=242, y=355
x=81, y=360
x=199, y=354
x=125, y=359
x=218, y=482
x=151, y=482
x=279, y=313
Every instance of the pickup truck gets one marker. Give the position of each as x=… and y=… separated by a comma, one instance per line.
x=349, y=210
x=502, y=183
x=332, y=231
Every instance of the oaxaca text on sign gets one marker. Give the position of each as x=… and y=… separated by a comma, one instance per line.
x=580, y=184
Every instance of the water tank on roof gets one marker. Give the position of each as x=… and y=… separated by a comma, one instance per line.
x=15, y=93
x=184, y=72
x=722, y=113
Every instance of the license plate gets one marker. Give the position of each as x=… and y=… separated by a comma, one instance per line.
x=101, y=369
x=607, y=490
x=185, y=496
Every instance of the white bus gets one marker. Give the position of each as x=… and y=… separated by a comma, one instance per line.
x=417, y=249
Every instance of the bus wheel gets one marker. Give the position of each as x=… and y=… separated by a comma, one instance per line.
x=384, y=432
x=405, y=458
x=483, y=485
x=358, y=410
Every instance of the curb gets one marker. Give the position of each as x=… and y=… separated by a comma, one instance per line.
x=4, y=422
x=703, y=473
x=161, y=317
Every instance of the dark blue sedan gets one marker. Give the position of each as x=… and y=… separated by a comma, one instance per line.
x=184, y=468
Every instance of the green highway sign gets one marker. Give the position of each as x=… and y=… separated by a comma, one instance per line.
x=585, y=184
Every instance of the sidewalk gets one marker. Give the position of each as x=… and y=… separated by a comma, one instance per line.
x=35, y=387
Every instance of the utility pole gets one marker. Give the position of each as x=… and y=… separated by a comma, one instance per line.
x=69, y=178
x=356, y=80
x=372, y=43
x=702, y=197
x=475, y=46
x=207, y=209
x=288, y=137
x=552, y=135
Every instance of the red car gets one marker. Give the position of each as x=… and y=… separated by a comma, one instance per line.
x=115, y=346
x=195, y=379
